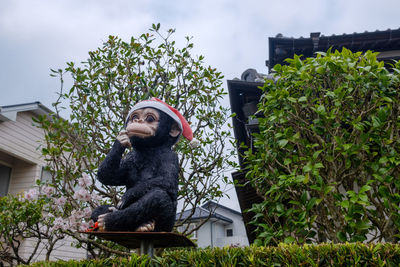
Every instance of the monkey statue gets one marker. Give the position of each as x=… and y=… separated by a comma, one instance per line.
x=149, y=171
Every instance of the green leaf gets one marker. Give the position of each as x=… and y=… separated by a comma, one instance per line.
x=342, y=236
x=362, y=226
x=318, y=165
x=289, y=240
x=303, y=99
x=283, y=142
x=308, y=167
x=345, y=204
x=311, y=203
x=287, y=161
x=364, y=188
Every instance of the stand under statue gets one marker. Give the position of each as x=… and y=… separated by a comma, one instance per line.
x=145, y=216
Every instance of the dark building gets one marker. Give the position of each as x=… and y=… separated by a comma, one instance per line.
x=387, y=43
x=245, y=93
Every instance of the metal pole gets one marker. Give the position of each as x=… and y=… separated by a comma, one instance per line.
x=147, y=248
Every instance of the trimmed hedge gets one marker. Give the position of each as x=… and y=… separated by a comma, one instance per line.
x=349, y=254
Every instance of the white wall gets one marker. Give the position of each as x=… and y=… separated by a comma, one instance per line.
x=20, y=139
x=203, y=235
x=63, y=250
x=209, y=233
x=219, y=232
x=239, y=231
x=218, y=229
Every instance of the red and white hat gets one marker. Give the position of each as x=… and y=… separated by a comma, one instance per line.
x=170, y=111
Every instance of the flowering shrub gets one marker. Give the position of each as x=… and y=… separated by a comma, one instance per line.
x=39, y=214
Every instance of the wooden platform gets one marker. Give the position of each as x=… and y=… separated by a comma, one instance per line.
x=134, y=240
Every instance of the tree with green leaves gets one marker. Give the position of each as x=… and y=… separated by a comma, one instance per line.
x=327, y=158
x=105, y=87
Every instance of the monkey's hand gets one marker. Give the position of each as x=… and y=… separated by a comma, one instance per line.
x=123, y=139
x=101, y=219
x=101, y=222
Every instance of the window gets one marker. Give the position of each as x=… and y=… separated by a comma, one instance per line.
x=46, y=176
x=229, y=232
x=5, y=173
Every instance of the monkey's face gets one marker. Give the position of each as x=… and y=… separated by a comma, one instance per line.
x=143, y=123
x=150, y=127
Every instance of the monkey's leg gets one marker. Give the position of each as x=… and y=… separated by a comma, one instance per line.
x=155, y=205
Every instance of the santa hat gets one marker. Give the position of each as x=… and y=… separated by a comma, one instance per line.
x=170, y=111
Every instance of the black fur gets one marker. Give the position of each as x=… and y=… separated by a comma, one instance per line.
x=150, y=173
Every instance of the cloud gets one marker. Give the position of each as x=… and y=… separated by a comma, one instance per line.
x=39, y=35
x=231, y=34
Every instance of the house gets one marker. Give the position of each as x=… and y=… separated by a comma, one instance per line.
x=244, y=93
x=21, y=163
x=221, y=226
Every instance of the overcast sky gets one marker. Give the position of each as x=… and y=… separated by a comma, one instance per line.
x=232, y=34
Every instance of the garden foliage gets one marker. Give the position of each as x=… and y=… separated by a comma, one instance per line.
x=354, y=254
x=26, y=217
x=326, y=159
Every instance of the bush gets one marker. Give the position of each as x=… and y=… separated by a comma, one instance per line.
x=355, y=254
x=24, y=217
x=326, y=159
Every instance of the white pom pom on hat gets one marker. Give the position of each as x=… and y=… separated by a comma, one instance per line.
x=173, y=113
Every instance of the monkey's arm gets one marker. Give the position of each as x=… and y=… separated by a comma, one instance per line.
x=111, y=171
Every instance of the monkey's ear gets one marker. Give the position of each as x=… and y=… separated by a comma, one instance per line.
x=175, y=131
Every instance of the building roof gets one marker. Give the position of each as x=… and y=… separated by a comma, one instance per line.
x=9, y=113
x=201, y=213
x=211, y=205
x=386, y=42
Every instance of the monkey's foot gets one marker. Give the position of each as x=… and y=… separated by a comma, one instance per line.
x=146, y=227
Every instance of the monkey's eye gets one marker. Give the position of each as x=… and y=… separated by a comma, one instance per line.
x=134, y=117
x=150, y=118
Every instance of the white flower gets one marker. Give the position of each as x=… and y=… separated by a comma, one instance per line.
x=59, y=223
x=48, y=190
x=32, y=194
x=95, y=198
x=82, y=195
x=84, y=226
x=87, y=212
x=72, y=222
x=60, y=201
x=85, y=181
